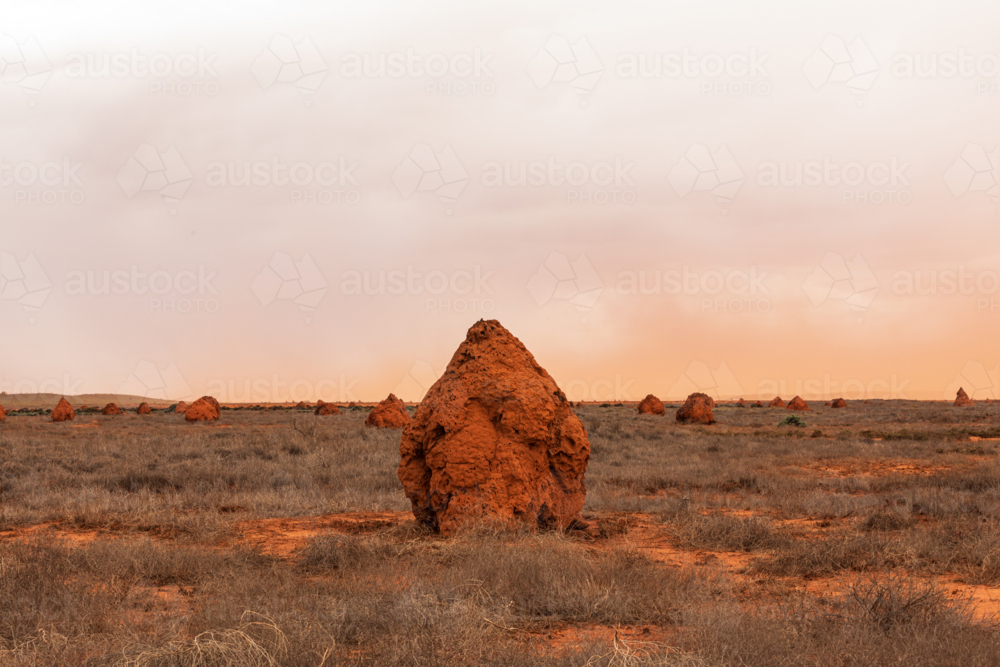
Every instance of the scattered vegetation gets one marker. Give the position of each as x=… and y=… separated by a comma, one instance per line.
x=162, y=573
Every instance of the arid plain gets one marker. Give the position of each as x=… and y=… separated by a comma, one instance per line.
x=277, y=537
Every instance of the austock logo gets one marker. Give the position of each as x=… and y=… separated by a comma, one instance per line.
x=978, y=382
x=701, y=170
x=184, y=291
x=721, y=291
x=148, y=381
x=149, y=170
x=976, y=170
x=285, y=279
x=424, y=170
x=459, y=74
x=719, y=383
x=731, y=75
x=276, y=390
x=50, y=182
x=24, y=282
x=560, y=279
x=835, y=279
x=284, y=61
x=326, y=182
x=559, y=61
x=827, y=387
x=836, y=62
x=182, y=74
x=23, y=64
x=602, y=182
x=421, y=376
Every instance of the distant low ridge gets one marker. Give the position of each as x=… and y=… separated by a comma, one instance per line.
x=92, y=400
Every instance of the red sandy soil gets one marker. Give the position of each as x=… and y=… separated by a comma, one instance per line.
x=873, y=468
x=281, y=537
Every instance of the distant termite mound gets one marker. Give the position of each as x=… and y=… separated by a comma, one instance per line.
x=205, y=409
x=651, y=405
x=962, y=399
x=390, y=413
x=798, y=404
x=63, y=411
x=697, y=409
x=326, y=409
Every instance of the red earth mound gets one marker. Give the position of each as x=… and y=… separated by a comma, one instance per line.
x=798, y=404
x=3, y=415
x=962, y=399
x=326, y=409
x=205, y=409
x=63, y=411
x=494, y=440
x=301, y=405
x=651, y=405
x=111, y=409
x=143, y=409
x=741, y=403
x=838, y=403
x=776, y=402
x=181, y=407
x=390, y=413
x=697, y=409
x=757, y=404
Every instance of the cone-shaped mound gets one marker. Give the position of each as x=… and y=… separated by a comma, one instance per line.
x=494, y=440
x=111, y=409
x=390, y=413
x=143, y=409
x=63, y=411
x=798, y=404
x=962, y=399
x=776, y=402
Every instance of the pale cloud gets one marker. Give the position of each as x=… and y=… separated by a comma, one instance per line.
x=434, y=185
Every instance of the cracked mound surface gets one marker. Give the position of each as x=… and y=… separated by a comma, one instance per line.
x=494, y=440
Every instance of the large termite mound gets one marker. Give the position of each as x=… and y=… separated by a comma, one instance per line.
x=494, y=440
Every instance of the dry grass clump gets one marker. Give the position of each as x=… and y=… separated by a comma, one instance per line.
x=883, y=620
x=724, y=532
x=254, y=643
x=820, y=557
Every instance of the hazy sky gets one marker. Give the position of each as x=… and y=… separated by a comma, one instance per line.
x=317, y=200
